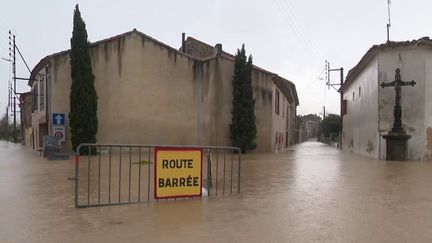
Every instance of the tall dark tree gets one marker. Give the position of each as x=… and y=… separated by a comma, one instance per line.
x=243, y=127
x=83, y=98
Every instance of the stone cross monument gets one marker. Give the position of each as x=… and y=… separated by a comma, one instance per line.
x=397, y=138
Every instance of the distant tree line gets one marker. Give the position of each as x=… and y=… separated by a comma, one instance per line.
x=6, y=129
x=330, y=127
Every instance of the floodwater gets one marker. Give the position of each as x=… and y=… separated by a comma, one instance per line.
x=312, y=192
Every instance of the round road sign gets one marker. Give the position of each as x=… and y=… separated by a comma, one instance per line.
x=59, y=134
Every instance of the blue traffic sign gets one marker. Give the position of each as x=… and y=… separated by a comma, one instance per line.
x=58, y=119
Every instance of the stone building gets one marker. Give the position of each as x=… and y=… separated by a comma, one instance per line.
x=311, y=123
x=26, y=109
x=368, y=108
x=151, y=93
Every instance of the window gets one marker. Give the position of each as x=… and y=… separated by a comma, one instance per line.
x=344, y=107
x=353, y=96
x=359, y=92
x=277, y=102
x=35, y=97
x=287, y=116
x=41, y=93
x=283, y=108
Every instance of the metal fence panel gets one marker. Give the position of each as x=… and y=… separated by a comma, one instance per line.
x=116, y=174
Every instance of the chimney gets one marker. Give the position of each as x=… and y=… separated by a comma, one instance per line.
x=183, y=47
x=218, y=49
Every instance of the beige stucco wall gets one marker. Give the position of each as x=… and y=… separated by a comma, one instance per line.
x=139, y=99
x=216, y=96
x=262, y=84
x=149, y=93
x=217, y=103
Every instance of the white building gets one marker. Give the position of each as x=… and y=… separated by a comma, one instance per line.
x=368, y=108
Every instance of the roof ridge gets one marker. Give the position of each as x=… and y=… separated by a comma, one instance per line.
x=224, y=54
x=353, y=72
x=200, y=41
x=42, y=61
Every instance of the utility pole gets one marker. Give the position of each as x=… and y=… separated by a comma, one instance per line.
x=341, y=70
x=12, y=55
x=13, y=94
x=7, y=108
x=329, y=84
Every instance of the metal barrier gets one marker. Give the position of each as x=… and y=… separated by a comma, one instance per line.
x=115, y=174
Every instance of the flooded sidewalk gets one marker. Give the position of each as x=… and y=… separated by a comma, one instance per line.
x=310, y=193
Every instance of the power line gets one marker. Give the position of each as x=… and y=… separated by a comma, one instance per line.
x=309, y=40
x=3, y=29
x=287, y=12
x=318, y=78
x=297, y=29
x=3, y=45
x=290, y=22
x=23, y=59
x=3, y=35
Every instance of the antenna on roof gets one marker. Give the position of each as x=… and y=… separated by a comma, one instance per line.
x=389, y=23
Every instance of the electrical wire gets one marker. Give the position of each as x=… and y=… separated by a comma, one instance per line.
x=298, y=31
x=287, y=12
x=22, y=58
x=4, y=46
x=318, y=78
x=309, y=41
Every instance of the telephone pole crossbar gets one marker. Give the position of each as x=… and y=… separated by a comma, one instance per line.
x=341, y=70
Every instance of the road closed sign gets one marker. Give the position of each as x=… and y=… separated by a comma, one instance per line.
x=177, y=172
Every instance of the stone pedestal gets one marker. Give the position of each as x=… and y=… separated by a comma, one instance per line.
x=396, y=146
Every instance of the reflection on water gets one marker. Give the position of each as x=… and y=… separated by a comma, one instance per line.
x=312, y=192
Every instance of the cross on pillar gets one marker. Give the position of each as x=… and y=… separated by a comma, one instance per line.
x=398, y=83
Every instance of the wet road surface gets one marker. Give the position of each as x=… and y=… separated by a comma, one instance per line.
x=310, y=193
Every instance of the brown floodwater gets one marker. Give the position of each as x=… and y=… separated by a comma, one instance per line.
x=312, y=192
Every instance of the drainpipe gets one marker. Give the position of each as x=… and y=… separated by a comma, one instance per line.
x=341, y=102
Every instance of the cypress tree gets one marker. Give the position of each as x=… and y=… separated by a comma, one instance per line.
x=83, y=98
x=243, y=127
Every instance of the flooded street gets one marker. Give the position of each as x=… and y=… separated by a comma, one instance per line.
x=312, y=192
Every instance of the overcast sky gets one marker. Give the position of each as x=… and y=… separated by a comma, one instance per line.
x=292, y=38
